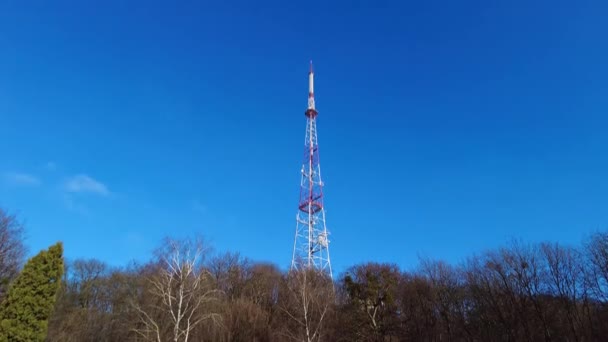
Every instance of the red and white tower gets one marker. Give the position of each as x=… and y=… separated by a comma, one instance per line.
x=311, y=243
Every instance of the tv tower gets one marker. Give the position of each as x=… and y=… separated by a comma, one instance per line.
x=311, y=243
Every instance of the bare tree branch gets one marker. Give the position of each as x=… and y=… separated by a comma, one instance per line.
x=183, y=288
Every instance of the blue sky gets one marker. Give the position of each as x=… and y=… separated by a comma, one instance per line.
x=445, y=128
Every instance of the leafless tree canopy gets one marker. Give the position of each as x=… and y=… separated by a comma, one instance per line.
x=180, y=294
x=520, y=292
x=306, y=298
x=12, y=249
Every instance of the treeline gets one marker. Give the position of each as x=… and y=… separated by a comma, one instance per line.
x=540, y=292
x=521, y=292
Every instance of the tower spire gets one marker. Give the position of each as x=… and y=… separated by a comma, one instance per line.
x=311, y=243
x=311, y=89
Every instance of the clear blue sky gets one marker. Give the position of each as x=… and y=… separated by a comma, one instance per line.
x=446, y=128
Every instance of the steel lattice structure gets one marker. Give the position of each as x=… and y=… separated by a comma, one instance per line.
x=311, y=243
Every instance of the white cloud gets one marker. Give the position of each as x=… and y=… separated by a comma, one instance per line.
x=17, y=178
x=86, y=184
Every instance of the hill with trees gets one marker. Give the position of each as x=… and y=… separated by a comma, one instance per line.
x=519, y=292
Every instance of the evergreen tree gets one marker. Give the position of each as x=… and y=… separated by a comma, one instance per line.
x=25, y=312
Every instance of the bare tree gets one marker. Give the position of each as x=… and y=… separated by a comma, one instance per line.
x=306, y=299
x=494, y=297
x=12, y=250
x=597, y=255
x=595, y=250
x=418, y=318
x=230, y=273
x=525, y=264
x=448, y=297
x=566, y=283
x=249, y=300
x=181, y=292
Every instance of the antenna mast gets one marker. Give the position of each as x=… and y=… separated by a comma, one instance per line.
x=311, y=243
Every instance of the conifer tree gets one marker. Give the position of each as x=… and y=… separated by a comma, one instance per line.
x=25, y=312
